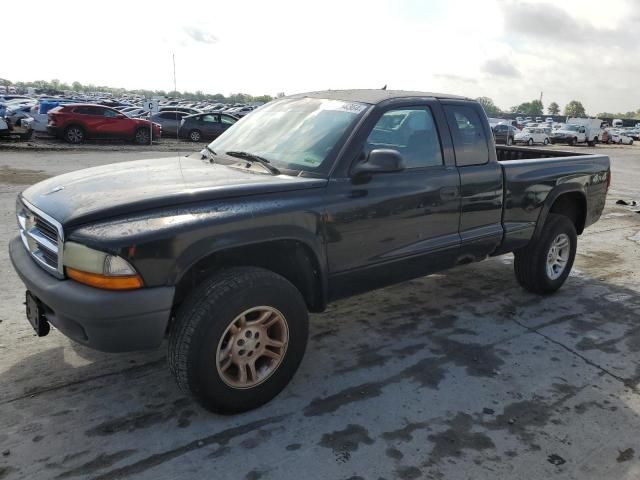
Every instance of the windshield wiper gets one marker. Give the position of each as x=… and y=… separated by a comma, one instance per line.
x=255, y=158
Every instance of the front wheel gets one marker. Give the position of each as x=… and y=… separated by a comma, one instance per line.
x=142, y=136
x=546, y=141
x=530, y=142
x=239, y=339
x=195, y=135
x=544, y=265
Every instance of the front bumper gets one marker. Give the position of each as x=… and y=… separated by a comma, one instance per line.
x=104, y=320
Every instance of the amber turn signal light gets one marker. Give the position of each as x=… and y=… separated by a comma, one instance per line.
x=119, y=282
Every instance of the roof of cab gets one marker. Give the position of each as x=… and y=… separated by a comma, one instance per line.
x=372, y=96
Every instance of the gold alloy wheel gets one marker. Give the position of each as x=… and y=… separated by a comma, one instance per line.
x=252, y=347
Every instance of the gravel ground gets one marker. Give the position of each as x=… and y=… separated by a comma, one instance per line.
x=41, y=142
x=453, y=376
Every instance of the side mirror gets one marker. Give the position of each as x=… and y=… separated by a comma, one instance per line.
x=380, y=160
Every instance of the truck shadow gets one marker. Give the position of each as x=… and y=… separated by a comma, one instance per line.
x=532, y=369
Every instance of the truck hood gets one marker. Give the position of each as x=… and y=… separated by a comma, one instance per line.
x=561, y=131
x=122, y=188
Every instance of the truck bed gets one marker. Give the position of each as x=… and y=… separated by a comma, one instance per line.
x=534, y=178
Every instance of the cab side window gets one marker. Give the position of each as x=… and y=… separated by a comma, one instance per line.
x=469, y=139
x=410, y=131
x=209, y=119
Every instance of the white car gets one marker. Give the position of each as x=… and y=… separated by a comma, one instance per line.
x=531, y=136
x=620, y=138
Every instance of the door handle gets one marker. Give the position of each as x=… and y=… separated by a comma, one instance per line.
x=448, y=193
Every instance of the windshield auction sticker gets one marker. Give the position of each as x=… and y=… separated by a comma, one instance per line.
x=350, y=107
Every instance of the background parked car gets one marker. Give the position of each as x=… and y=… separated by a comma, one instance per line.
x=504, y=133
x=169, y=121
x=205, y=126
x=187, y=110
x=16, y=126
x=531, y=136
x=620, y=137
x=77, y=122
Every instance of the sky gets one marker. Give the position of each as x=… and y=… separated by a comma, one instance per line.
x=508, y=50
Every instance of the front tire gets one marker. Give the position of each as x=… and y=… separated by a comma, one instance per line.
x=543, y=266
x=142, y=136
x=195, y=135
x=530, y=142
x=239, y=339
x=546, y=141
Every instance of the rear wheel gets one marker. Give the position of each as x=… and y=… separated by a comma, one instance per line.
x=544, y=265
x=74, y=134
x=195, y=135
x=239, y=339
x=142, y=136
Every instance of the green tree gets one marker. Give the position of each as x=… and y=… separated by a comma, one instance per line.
x=77, y=86
x=262, y=98
x=553, y=108
x=533, y=107
x=574, y=109
x=490, y=108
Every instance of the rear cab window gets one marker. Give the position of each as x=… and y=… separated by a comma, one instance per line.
x=467, y=131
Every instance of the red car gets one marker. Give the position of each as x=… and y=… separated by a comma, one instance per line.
x=77, y=122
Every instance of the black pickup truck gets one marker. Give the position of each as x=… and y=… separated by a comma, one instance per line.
x=310, y=198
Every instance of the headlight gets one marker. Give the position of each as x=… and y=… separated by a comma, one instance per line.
x=99, y=269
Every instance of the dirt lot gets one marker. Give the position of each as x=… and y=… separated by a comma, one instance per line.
x=458, y=375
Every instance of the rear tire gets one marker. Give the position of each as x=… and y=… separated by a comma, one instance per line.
x=74, y=134
x=543, y=266
x=210, y=340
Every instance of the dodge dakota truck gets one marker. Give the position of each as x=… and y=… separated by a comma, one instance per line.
x=308, y=199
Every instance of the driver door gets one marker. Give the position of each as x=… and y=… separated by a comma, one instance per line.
x=390, y=227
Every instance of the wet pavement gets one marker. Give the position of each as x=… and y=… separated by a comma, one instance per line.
x=457, y=375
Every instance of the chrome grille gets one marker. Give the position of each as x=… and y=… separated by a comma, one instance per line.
x=42, y=236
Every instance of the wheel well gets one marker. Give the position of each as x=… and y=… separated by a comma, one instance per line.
x=292, y=259
x=573, y=206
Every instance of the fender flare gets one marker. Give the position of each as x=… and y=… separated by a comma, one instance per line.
x=557, y=191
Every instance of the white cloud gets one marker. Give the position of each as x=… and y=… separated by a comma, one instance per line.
x=505, y=49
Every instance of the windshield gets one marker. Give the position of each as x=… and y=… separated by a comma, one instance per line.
x=572, y=128
x=527, y=130
x=292, y=133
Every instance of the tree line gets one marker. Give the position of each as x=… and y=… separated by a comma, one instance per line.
x=55, y=86
x=535, y=107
